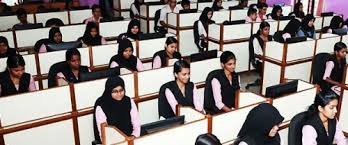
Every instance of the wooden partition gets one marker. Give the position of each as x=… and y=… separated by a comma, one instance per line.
x=190, y=114
x=9, y=36
x=78, y=16
x=72, y=32
x=182, y=26
x=116, y=27
x=239, y=14
x=318, y=23
x=43, y=17
x=221, y=16
x=201, y=73
x=282, y=61
x=147, y=15
x=111, y=135
x=122, y=7
x=28, y=38
x=147, y=48
x=345, y=39
x=327, y=43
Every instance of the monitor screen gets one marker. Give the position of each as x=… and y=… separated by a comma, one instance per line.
x=234, y=22
x=296, y=39
x=112, y=19
x=327, y=14
x=28, y=26
x=203, y=55
x=161, y=125
x=281, y=89
x=64, y=45
x=188, y=11
x=99, y=74
x=147, y=36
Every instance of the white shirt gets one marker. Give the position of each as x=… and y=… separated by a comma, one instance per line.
x=134, y=10
x=165, y=10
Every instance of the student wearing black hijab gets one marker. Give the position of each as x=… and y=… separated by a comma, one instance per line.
x=5, y=49
x=217, y=5
x=91, y=37
x=200, y=35
x=160, y=58
x=277, y=12
x=289, y=31
x=116, y=109
x=298, y=11
x=320, y=124
x=221, y=86
x=207, y=139
x=336, y=23
x=307, y=27
x=178, y=92
x=133, y=31
x=55, y=36
x=135, y=9
x=261, y=126
x=125, y=58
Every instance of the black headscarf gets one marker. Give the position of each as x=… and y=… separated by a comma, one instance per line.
x=274, y=12
x=10, y=51
x=88, y=39
x=305, y=21
x=258, y=124
x=215, y=6
x=53, y=31
x=131, y=62
x=335, y=22
x=292, y=27
x=204, y=17
x=131, y=24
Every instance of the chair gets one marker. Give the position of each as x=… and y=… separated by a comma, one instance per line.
x=54, y=70
x=318, y=69
x=256, y=64
x=157, y=28
x=196, y=36
x=295, y=129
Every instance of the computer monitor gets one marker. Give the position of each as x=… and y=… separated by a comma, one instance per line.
x=161, y=125
x=296, y=39
x=147, y=36
x=64, y=45
x=153, y=3
x=325, y=14
x=203, y=55
x=111, y=19
x=99, y=74
x=28, y=26
x=340, y=32
x=286, y=17
x=188, y=11
x=234, y=22
x=235, y=8
x=282, y=89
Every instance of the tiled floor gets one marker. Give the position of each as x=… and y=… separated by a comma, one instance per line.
x=247, y=78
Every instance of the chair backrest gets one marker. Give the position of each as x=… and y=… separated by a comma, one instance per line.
x=295, y=129
x=196, y=34
x=318, y=66
x=157, y=17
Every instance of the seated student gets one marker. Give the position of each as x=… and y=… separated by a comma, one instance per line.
x=73, y=5
x=252, y=16
x=202, y=25
x=97, y=15
x=133, y=31
x=221, y=86
x=160, y=58
x=54, y=22
x=179, y=92
x=298, y=11
x=334, y=69
x=22, y=17
x=116, y=109
x=257, y=43
x=135, y=9
x=125, y=58
x=335, y=23
x=14, y=80
x=5, y=49
x=72, y=68
x=169, y=8
x=277, y=12
x=289, y=31
x=54, y=36
x=320, y=125
x=261, y=126
x=217, y=5
x=241, y=5
x=91, y=37
x=185, y=4
x=261, y=1
x=207, y=139
x=262, y=11
x=307, y=27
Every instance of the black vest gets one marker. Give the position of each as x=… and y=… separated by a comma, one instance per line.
x=7, y=86
x=130, y=63
x=338, y=70
x=227, y=91
x=323, y=138
x=164, y=108
x=69, y=75
x=164, y=57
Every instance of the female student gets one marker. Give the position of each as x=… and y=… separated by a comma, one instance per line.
x=170, y=52
x=135, y=9
x=298, y=11
x=5, y=49
x=55, y=36
x=133, y=31
x=179, y=92
x=125, y=58
x=257, y=44
x=262, y=11
x=321, y=126
x=217, y=5
x=277, y=12
x=22, y=18
x=307, y=27
x=14, y=80
x=336, y=23
x=97, y=15
x=202, y=26
x=252, y=16
x=334, y=69
x=91, y=37
x=72, y=69
x=207, y=139
x=170, y=7
x=116, y=109
x=221, y=86
x=289, y=31
x=261, y=126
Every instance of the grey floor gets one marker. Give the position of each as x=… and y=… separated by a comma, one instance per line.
x=249, y=77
